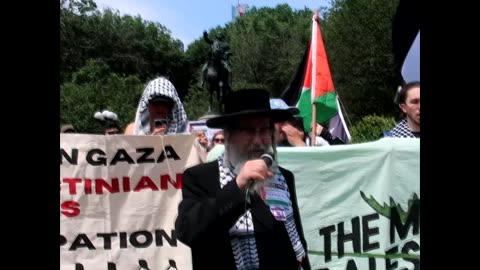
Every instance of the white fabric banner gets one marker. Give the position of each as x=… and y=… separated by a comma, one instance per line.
x=118, y=201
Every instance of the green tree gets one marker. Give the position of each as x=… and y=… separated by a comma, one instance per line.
x=196, y=103
x=357, y=35
x=128, y=45
x=370, y=128
x=96, y=88
x=267, y=46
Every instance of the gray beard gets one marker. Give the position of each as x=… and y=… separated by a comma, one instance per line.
x=234, y=158
x=237, y=159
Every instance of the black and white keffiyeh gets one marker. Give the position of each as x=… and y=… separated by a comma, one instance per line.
x=275, y=194
x=401, y=130
x=176, y=121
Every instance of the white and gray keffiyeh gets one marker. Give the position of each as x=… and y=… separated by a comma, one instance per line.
x=401, y=130
x=176, y=121
x=276, y=196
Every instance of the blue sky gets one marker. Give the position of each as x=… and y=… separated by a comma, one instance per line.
x=187, y=19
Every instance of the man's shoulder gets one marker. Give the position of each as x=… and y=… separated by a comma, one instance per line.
x=203, y=167
x=387, y=134
x=205, y=175
x=392, y=132
x=285, y=172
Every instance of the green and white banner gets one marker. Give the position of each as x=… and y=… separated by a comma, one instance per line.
x=359, y=203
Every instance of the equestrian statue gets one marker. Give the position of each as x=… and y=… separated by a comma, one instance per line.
x=216, y=72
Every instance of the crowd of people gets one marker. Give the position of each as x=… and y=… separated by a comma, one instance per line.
x=244, y=207
x=160, y=111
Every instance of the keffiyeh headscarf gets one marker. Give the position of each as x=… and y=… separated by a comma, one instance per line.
x=242, y=238
x=176, y=121
x=401, y=130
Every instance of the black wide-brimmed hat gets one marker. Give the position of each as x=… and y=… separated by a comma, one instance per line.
x=248, y=102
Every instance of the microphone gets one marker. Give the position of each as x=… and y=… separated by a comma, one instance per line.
x=252, y=187
x=268, y=158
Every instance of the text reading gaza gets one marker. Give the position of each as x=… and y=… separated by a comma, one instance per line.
x=98, y=157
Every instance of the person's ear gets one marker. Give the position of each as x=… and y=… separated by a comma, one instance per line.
x=403, y=107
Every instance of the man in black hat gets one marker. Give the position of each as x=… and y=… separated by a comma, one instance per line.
x=243, y=205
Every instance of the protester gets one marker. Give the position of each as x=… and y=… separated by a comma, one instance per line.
x=252, y=221
x=292, y=132
x=288, y=132
x=409, y=103
x=215, y=152
x=109, y=122
x=159, y=111
x=324, y=137
x=217, y=139
x=130, y=129
x=202, y=139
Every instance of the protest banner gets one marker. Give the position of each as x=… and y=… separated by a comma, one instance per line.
x=359, y=203
x=118, y=201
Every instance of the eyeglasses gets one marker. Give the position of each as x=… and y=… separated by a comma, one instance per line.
x=219, y=140
x=251, y=132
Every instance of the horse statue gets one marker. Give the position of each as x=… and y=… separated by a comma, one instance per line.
x=216, y=73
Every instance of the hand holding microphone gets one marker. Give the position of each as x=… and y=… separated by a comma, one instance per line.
x=255, y=170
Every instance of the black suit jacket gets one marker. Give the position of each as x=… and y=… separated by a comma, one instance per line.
x=207, y=212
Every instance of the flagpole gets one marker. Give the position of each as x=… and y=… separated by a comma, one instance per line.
x=313, y=125
x=313, y=46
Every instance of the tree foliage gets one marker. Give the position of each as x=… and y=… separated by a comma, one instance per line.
x=95, y=87
x=128, y=45
x=103, y=50
x=196, y=103
x=267, y=46
x=370, y=128
x=357, y=35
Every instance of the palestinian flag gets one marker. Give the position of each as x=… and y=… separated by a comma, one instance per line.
x=291, y=93
x=317, y=83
